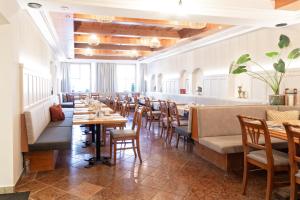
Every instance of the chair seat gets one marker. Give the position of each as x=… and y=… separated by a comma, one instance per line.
x=182, y=123
x=280, y=158
x=122, y=133
x=183, y=130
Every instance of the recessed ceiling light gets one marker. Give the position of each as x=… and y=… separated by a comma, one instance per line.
x=34, y=5
x=281, y=25
x=220, y=27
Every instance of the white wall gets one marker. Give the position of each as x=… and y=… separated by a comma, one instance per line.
x=214, y=61
x=21, y=42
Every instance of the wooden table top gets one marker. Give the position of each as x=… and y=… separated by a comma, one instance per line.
x=109, y=119
x=277, y=130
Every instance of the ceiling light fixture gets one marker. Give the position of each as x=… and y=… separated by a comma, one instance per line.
x=134, y=53
x=93, y=40
x=34, y=5
x=154, y=43
x=88, y=52
x=105, y=19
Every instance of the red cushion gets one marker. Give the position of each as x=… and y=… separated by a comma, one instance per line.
x=57, y=113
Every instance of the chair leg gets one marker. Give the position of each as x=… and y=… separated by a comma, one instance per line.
x=110, y=146
x=146, y=121
x=161, y=130
x=138, y=149
x=293, y=188
x=150, y=124
x=133, y=148
x=245, y=177
x=177, y=140
x=171, y=135
x=269, y=185
x=115, y=152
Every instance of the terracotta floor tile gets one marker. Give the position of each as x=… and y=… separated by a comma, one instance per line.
x=48, y=193
x=167, y=196
x=85, y=190
x=31, y=186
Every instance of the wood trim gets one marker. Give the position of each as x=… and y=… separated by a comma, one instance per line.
x=42, y=160
x=24, y=136
x=102, y=57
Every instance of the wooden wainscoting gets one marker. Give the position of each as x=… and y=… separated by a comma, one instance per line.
x=42, y=160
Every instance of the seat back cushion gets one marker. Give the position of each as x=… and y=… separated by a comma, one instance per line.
x=223, y=121
x=57, y=113
x=37, y=118
x=282, y=116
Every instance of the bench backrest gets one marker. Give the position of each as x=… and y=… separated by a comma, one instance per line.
x=223, y=121
x=37, y=117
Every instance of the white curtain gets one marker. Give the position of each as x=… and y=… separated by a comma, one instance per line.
x=65, y=83
x=142, y=71
x=106, y=77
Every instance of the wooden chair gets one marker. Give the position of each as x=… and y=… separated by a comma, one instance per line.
x=151, y=116
x=164, y=118
x=259, y=153
x=125, y=109
x=132, y=135
x=293, y=134
x=82, y=96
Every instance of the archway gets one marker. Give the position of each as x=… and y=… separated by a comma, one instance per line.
x=197, y=80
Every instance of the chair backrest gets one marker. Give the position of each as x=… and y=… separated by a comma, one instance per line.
x=252, y=130
x=173, y=112
x=293, y=134
x=82, y=96
x=163, y=109
x=116, y=104
x=148, y=106
x=124, y=108
x=95, y=96
x=137, y=120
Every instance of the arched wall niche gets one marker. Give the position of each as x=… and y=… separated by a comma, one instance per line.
x=185, y=81
x=197, y=80
x=153, y=83
x=160, y=82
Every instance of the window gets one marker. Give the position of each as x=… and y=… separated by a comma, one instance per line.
x=126, y=78
x=80, y=77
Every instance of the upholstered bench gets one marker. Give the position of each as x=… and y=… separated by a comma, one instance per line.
x=217, y=133
x=41, y=138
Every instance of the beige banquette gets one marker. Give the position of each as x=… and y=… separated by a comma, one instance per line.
x=40, y=138
x=217, y=132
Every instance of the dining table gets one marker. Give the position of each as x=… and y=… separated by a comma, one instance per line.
x=104, y=119
x=276, y=129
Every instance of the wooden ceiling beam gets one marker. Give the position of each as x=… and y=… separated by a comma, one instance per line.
x=79, y=56
x=111, y=52
x=116, y=47
x=281, y=3
x=83, y=38
x=141, y=22
x=124, y=30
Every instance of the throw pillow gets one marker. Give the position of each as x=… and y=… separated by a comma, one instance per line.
x=57, y=113
x=282, y=116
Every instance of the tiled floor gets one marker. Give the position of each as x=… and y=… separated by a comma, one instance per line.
x=166, y=173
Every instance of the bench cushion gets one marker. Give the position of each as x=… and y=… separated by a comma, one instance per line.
x=233, y=143
x=68, y=114
x=53, y=138
x=68, y=122
x=67, y=105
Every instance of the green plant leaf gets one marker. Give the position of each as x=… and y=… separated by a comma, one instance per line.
x=294, y=54
x=284, y=41
x=239, y=70
x=272, y=54
x=279, y=66
x=243, y=59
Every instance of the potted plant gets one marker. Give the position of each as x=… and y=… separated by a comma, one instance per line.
x=272, y=78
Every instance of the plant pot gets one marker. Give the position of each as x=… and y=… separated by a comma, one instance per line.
x=276, y=99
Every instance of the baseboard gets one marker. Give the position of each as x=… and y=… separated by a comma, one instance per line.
x=5, y=190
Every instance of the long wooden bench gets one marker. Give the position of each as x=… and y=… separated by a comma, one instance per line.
x=41, y=139
x=217, y=133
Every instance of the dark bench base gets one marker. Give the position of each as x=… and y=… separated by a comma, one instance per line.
x=226, y=162
x=42, y=160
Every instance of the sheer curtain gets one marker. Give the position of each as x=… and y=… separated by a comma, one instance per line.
x=65, y=83
x=106, y=74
